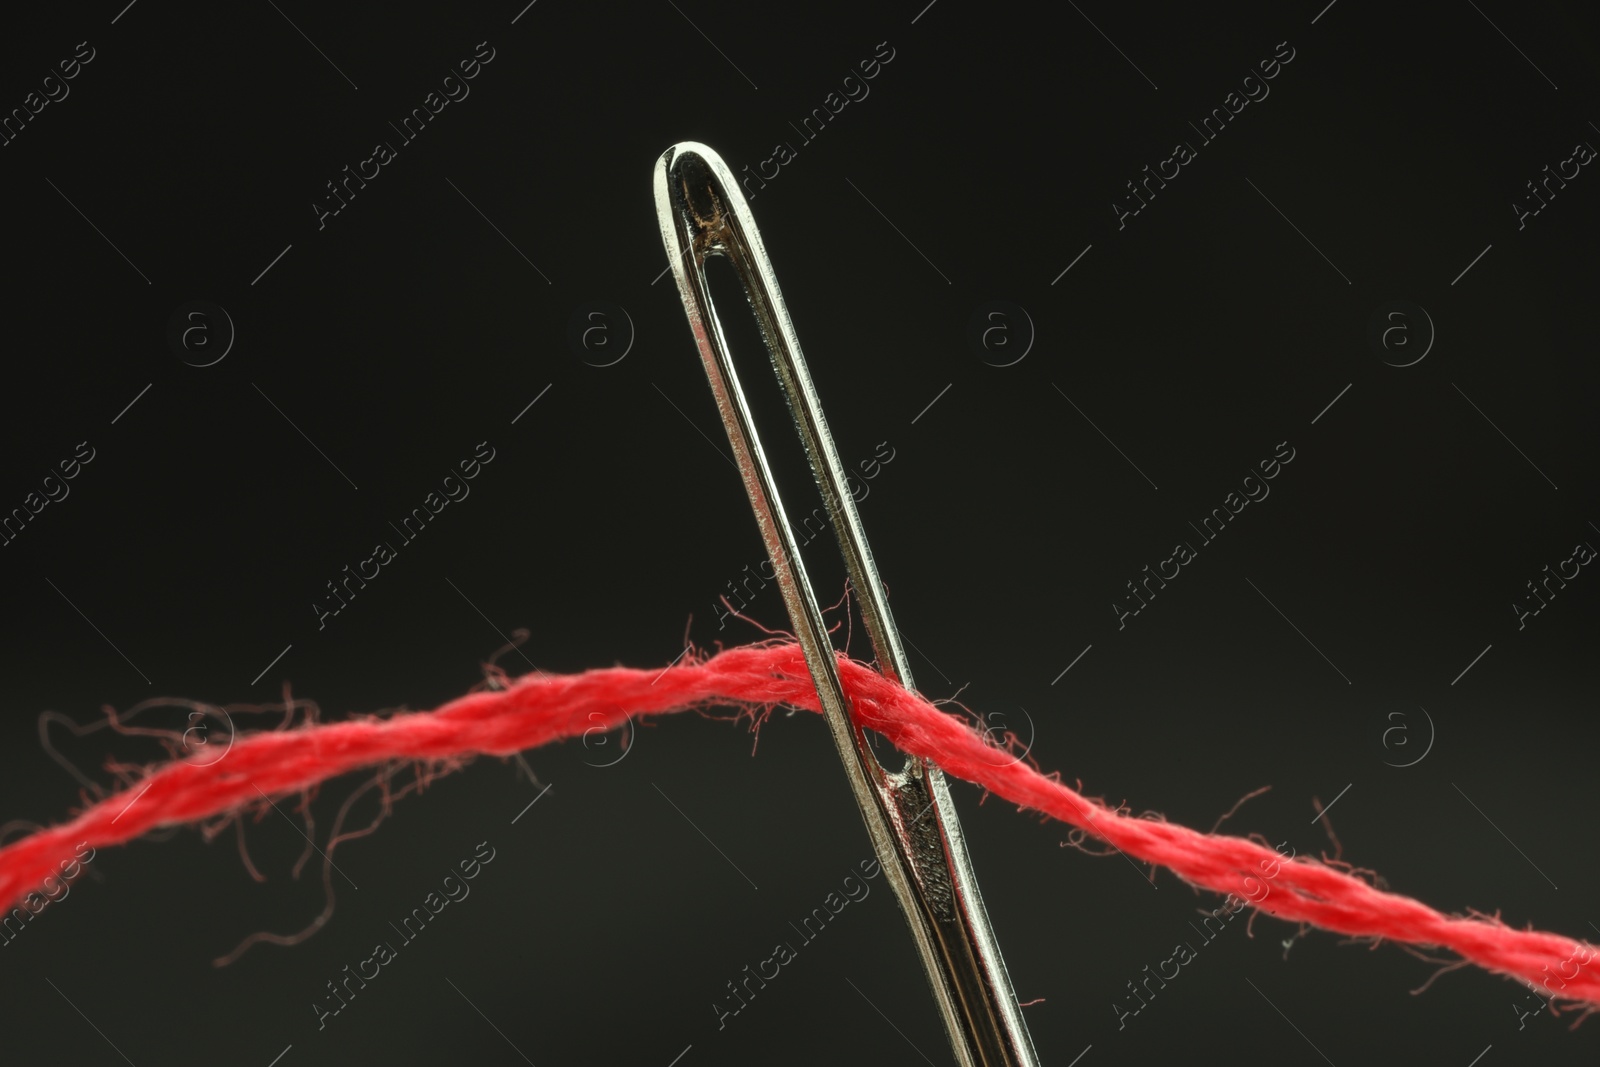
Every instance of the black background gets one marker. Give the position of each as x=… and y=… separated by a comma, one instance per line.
x=415, y=325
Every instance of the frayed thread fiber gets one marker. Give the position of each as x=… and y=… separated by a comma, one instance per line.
x=538, y=708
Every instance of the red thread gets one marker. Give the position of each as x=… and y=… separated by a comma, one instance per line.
x=537, y=709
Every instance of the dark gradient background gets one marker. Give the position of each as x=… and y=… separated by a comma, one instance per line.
x=1307, y=649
